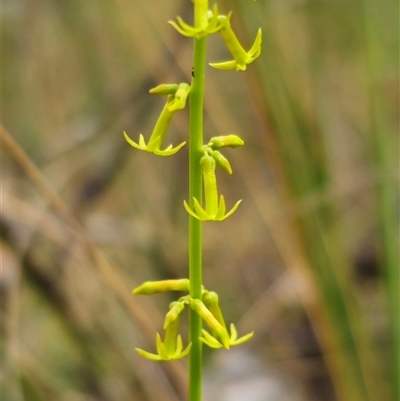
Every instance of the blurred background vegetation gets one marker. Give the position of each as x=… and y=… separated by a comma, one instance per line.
x=310, y=260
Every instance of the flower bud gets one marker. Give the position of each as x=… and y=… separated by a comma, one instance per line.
x=222, y=161
x=155, y=287
x=210, y=300
x=179, y=100
x=176, y=308
x=164, y=89
x=232, y=141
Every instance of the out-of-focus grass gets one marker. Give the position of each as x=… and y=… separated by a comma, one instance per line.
x=303, y=130
x=318, y=112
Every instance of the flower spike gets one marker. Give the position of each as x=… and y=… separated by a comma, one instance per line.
x=206, y=22
x=177, y=96
x=241, y=57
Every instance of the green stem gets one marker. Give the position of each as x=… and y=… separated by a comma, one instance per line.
x=195, y=226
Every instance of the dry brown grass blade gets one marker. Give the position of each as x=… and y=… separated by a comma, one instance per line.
x=139, y=313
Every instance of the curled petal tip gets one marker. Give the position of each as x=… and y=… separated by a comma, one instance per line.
x=225, y=65
x=255, y=50
x=141, y=145
x=233, y=210
x=148, y=355
x=169, y=151
x=233, y=340
x=243, y=339
x=185, y=352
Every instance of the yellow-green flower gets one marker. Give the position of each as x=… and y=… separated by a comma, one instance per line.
x=214, y=210
x=241, y=58
x=206, y=21
x=217, y=329
x=168, y=350
x=176, y=100
x=172, y=347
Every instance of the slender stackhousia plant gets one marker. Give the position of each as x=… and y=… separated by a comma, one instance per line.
x=203, y=160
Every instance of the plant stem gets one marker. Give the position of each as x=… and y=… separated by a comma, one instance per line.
x=195, y=226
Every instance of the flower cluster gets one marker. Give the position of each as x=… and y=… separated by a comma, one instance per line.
x=207, y=308
x=212, y=207
x=208, y=22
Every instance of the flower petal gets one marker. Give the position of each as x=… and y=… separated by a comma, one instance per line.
x=225, y=65
x=211, y=341
x=148, y=355
x=161, y=349
x=190, y=211
x=243, y=339
x=221, y=209
x=233, y=209
x=255, y=50
x=140, y=146
x=169, y=151
x=203, y=215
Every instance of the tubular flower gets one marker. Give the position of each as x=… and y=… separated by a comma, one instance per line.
x=172, y=346
x=240, y=57
x=210, y=300
x=206, y=21
x=155, y=287
x=217, y=329
x=177, y=95
x=214, y=210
